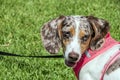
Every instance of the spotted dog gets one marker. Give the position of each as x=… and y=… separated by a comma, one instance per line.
x=87, y=45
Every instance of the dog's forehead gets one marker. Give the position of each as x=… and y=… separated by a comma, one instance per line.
x=73, y=20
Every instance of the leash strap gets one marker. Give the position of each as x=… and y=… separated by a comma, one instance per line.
x=18, y=55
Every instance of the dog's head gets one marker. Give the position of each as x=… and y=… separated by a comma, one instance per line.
x=75, y=34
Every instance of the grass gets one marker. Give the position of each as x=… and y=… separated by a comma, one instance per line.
x=20, y=23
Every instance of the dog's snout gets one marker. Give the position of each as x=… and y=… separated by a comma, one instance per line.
x=73, y=56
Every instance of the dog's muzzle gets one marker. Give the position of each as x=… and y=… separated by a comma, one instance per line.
x=72, y=59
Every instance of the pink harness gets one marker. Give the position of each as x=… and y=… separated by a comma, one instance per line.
x=92, y=54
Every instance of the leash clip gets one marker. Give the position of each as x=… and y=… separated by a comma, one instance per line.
x=87, y=54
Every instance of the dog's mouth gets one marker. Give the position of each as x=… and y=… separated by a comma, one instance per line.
x=70, y=63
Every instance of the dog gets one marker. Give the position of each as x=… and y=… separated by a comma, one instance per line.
x=87, y=46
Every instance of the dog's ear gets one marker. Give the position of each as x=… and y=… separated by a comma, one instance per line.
x=100, y=28
x=50, y=35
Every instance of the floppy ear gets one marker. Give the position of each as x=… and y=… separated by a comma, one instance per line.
x=100, y=28
x=50, y=36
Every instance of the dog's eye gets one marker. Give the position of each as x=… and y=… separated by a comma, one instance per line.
x=66, y=35
x=85, y=38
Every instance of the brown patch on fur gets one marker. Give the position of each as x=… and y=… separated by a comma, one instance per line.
x=82, y=33
x=84, y=43
x=72, y=31
x=65, y=42
x=59, y=31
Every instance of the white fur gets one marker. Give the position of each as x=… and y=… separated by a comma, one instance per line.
x=92, y=70
x=74, y=44
x=113, y=76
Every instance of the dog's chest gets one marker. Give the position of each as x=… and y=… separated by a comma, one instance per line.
x=93, y=69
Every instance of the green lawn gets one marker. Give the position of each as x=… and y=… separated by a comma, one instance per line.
x=20, y=23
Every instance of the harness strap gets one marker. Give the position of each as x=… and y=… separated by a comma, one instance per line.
x=110, y=63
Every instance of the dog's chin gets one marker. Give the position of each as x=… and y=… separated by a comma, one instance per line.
x=70, y=63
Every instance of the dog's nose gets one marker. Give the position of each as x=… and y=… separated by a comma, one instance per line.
x=73, y=56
